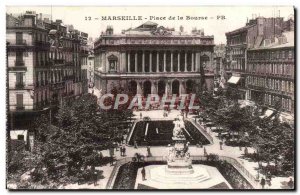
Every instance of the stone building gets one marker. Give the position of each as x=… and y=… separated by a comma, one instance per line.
x=270, y=69
x=247, y=37
x=43, y=64
x=154, y=59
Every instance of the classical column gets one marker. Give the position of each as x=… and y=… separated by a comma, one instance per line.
x=157, y=61
x=178, y=58
x=143, y=62
x=124, y=61
x=182, y=87
x=211, y=68
x=153, y=91
x=193, y=64
x=185, y=61
x=135, y=62
x=139, y=88
x=172, y=61
x=166, y=88
x=197, y=62
x=150, y=61
x=165, y=61
x=103, y=61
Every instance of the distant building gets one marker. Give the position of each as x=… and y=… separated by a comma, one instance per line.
x=219, y=61
x=270, y=78
x=44, y=66
x=248, y=37
x=154, y=59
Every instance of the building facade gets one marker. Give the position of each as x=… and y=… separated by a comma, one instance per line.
x=247, y=37
x=43, y=64
x=270, y=78
x=152, y=59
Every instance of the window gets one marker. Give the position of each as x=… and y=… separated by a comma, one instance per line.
x=19, y=79
x=19, y=38
x=21, y=137
x=112, y=62
x=20, y=101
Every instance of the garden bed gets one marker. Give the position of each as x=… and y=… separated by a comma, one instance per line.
x=127, y=173
x=160, y=133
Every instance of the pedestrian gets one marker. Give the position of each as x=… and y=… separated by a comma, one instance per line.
x=111, y=154
x=141, y=115
x=221, y=143
x=204, y=150
x=291, y=184
x=95, y=177
x=246, y=151
x=263, y=183
x=135, y=144
x=148, y=151
x=200, y=144
x=116, y=146
x=121, y=150
x=143, y=174
x=124, y=150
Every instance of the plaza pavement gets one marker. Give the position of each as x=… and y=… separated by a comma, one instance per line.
x=234, y=152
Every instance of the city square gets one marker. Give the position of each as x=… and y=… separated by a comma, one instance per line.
x=150, y=106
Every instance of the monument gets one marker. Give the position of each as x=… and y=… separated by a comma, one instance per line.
x=178, y=158
x=180, y=173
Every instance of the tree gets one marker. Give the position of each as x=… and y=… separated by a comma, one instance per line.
x=66, y=150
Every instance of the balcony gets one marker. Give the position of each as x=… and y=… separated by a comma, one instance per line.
x=59, y=61
x=41, y=43
x=21, y=42
x=19, y=63
x=19, y=66
x=20, y=107
x=20, y=85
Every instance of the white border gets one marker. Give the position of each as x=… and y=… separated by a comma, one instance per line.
x=4, y=3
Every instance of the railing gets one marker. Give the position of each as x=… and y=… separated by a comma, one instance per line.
x=200, y=128
x=246, y=174
x=20, y=85
x=238, y=166
x=21, y=42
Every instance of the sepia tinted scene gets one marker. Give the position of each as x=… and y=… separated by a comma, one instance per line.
x=150, y=98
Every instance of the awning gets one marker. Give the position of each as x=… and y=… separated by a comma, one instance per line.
x=234, y=80
x=14, y=134
x=267, y=113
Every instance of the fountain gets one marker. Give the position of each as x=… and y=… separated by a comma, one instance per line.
x=179, y=173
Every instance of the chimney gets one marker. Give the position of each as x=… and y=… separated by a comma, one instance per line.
x=181, y=28
x=109, y=30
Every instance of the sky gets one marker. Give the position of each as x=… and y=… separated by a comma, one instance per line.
x=235, y=17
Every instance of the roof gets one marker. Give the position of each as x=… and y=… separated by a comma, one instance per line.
x=149, y=23
x=289, y=35
x=244, y=28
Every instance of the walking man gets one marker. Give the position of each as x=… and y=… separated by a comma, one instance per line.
x=141, y=115
x=263, y=183
x=143, y=174
x=95, y=177
x=148, y=151
x=291, y=184
x=135, y=144
x=205, y=152
x=111, y=154
x=121, y=150
x=124, y=150
x=221, y=143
